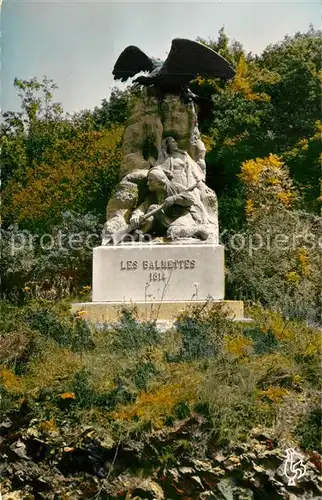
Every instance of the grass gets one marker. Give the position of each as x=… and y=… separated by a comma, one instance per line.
x=130, y=379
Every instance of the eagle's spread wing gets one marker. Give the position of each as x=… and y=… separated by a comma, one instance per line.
x=187, y=59
x=131, y=61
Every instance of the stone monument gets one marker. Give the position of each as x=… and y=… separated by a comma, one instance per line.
x=160, y=244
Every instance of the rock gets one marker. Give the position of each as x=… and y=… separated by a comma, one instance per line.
x=198, y=480
x=207, y=495
x=262, y=434
x=17, y=495
x=150, y=121
x=186, y=470
x=258, y=468
x=174, y=473
x=134, y=162
x=32, y=432
x=148, y=490
x=226, y=487
x=19, y=448
x=178, y=120
x=5, y=425
x=202, y=465
x=219, y=457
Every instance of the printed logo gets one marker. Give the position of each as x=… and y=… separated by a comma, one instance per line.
x=294, y=468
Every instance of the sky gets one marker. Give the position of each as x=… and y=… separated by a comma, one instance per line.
x=76, y=43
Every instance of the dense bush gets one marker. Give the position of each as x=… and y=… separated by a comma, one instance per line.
x=308, y=430
x=202, y=328
x=67, y=332
x=132, y=334
x=285, y=277
x=247, y=375
x=55, y=267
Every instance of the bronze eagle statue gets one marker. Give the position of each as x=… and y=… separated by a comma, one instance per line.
x=186, y=60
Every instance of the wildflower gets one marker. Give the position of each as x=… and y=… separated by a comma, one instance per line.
x=80, y=314
x=67, y=395
x=293, y=277
x=275, y=394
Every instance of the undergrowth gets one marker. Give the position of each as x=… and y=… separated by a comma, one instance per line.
x=132, y=378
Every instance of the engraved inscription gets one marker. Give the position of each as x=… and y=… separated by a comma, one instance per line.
x=129, y=265
x=157, y=268
x=161, y=276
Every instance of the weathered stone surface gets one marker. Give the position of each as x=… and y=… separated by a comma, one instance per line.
x=122, y=204
x=132, y=162
x=148, y=490
x=158, y=272
x=177, y=204
x=151, y=120
x=142, y=136
x=179, y=121
x=81, y=469
x=164, y=312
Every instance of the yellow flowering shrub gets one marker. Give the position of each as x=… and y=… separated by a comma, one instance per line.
x=293, y=277
x=207, y=142
x=303, y=261
x=11, y=382
x=250, y=208
x=48, y=426
x=295, y=336
x=67, y=395
x=155, y=406
x=238, y=346
x=266, y=179
x=274, y=394
x=243, y=83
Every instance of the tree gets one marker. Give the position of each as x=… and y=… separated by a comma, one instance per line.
x=78, y=174
x=271, y=105
x=115, y=111
x=25, y=135
x=52, y=162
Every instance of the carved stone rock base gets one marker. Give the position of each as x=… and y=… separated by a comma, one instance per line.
x=100, y=313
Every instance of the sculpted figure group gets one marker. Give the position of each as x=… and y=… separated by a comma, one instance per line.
x=184, y=208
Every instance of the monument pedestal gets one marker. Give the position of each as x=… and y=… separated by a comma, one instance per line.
x=159, y=279
x=156, y=272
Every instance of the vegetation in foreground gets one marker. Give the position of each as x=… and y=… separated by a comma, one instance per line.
x=102, y=411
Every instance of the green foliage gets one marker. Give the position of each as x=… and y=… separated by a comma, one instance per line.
x=233, y=406
x=114, y=111
x=283, y=276
x=87, y=396
x=271, y=105
x=304, y=161
x=52, y=267
x=72, y=333
x=17, y=264
x=308, y=430
x=296, y=97
x=53, y=162
x=65, y=371
x=131, y=334
x=202, y=329
x=311, y=370
x=141, y=374
x=262, y=343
